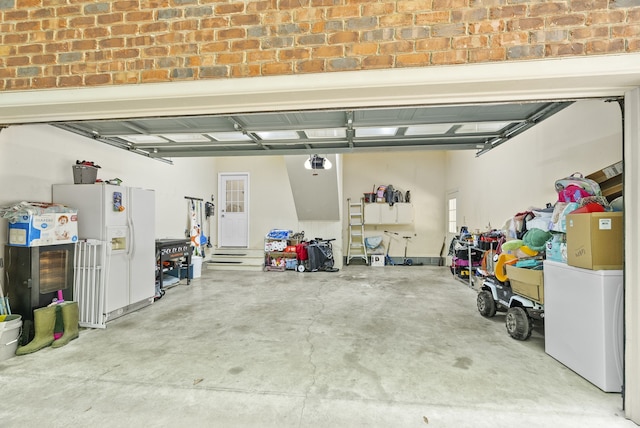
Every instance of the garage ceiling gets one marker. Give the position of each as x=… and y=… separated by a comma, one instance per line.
x=479, y=127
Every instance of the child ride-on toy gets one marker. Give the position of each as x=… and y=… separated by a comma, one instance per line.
x=521, y=311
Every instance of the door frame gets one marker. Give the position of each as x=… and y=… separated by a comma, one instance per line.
x=222, y=203
x=631, y=159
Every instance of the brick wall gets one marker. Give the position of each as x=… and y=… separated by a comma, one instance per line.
x=74, y=43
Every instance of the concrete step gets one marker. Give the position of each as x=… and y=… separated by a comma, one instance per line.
x=235, y=259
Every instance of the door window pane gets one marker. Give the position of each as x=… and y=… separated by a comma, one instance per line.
x=235, y=196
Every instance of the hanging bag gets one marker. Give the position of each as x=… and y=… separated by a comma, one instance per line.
x=576, y=187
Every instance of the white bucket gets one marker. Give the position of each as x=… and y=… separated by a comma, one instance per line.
x=196, y=262
x=9, y=335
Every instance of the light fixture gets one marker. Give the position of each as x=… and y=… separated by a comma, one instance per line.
x=316, y=162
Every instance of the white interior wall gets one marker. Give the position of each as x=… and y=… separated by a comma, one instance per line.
x=33, y=157
x=271, y=203
x=584, y=137
x=423, y=174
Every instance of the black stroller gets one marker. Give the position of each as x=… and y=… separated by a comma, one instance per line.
x=321, y=255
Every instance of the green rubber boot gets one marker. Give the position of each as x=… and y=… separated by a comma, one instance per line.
x=70, y=319
x=44, y=321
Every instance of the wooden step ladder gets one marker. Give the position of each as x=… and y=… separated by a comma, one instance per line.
x=356, y=249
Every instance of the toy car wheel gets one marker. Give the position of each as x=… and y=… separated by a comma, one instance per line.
x=518, y=323
x=301, y=268
x=486, y=304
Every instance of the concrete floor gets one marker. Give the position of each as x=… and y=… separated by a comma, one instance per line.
x=364, y=347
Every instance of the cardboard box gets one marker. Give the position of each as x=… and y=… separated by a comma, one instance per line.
x=44, y=229
x=527, y=282
x=610, y=180
x=595, y=241
x=377, y=260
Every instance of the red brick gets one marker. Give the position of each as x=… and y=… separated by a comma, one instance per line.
x=449, y=57
x=83, y=45
x=343, y=12
x=97, y=79
x=224, y=9
x=245, y=70
x=111, y=43
x=433, y=44
x=260, y=56
x=125, y=77
x=230, y=58
x=43, y=59
x=26, y=4
x=15, y=15
x=245, y=45
x=564, y=49
x=44, y=82
x=470, y=42
x=125, y=29
x=392, y=48
x=328, y=52
x=589, y=33
x=449, y=4
x=156, y=51
x=412, y=60
x=95, y=33
x=156, y=27
x=436, y=17
x=69, y=81
x=588, y=5
x=68, y=10
x=233, y=33
x=28, y=26
x=26, y=49
x=567, y=20
x=485, y=55
x=604, y=46
x=125, y=5
x=365, y=49
x=241, y=20
x=139, y=16
x=633, y=45
x=627, y=31
x=547, y=8
x=487, y=27
x=396, y=20
x=82, y=21
x=605, y=17
x=214, y=47
x=373, y=62
x=293, y=54
x=343, y=37
x=304, y=15
x=126, y=53
x=508, y=11
x=277, y=68
x=111, y=18
x=414, y=5
x=155, y=76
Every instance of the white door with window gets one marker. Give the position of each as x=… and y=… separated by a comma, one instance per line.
x=233, y=220
x=452, y=220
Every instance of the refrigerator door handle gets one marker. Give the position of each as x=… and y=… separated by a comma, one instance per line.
x=130, y=232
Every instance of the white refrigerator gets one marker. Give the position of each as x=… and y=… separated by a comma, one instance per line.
x=124, y=218
x=583, y=322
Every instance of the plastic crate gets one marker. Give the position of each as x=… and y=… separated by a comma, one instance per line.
x=84, y=174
